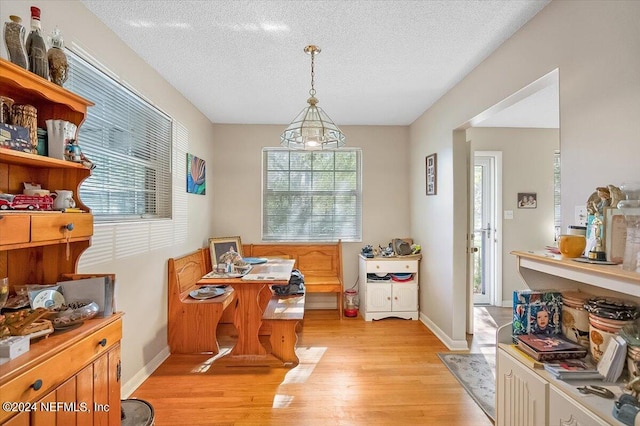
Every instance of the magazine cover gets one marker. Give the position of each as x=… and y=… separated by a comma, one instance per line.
x=537, y=312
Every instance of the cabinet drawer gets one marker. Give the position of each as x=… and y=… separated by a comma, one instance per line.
x=60, y=366
x=14, y=229
x=389, y=266
x=52, y=227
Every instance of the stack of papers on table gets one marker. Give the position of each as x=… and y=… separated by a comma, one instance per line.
x=613, y=359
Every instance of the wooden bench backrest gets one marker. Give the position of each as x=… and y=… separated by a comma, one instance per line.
x=318, y=260
x=185, y=271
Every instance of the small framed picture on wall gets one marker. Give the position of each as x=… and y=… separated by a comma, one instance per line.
x=432, y=174
x=527, y=200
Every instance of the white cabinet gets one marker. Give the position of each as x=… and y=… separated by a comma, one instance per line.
x=530, y=396
x=523, y=394
x=383, y=299
x=566, y=412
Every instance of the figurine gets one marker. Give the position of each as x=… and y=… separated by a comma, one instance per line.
x=72, y=152
x=604, y=196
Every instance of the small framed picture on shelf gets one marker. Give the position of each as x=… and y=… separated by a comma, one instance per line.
x=432, y=174
x=527, y=200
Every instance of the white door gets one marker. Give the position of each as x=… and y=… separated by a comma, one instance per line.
x=485, y=274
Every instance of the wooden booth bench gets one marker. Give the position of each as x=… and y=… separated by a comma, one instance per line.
x=321, y=264
x=192, y=323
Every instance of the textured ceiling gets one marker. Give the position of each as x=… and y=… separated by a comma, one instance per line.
x=382, y=62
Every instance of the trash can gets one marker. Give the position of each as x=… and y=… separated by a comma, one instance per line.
x=136, y=412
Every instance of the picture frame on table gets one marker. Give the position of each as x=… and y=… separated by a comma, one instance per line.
x=432, y=174
x=221, y=245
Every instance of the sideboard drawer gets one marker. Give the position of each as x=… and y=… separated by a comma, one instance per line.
x=14, y=228
x=390, y=266
x=53, y=226
x=55, y=370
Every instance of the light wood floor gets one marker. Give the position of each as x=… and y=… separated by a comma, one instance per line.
x=351, y=372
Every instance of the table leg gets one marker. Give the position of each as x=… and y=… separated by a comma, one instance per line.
x=247, y=319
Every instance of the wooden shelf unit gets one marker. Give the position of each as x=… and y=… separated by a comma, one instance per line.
x=79, y=366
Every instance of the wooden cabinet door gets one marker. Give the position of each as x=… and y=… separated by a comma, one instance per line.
x=521, y=396
x=45, y=415
x=22, y=419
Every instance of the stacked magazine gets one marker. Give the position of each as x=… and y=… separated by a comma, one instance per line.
x=542, y=347
x=613, y=359
x=573, y=369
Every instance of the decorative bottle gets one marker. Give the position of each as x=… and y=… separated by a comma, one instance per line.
x=58, y=65
x=14, y=34
x=36, y=47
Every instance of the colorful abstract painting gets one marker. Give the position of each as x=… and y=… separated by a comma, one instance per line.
x=196, y=176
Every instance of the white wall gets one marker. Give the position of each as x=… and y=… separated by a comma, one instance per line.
x=141, y=280
x=594, y=44
x=527, y=159
x=237, y=172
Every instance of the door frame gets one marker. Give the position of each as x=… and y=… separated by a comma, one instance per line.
x=496, y=296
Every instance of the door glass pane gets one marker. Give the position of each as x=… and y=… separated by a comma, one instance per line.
x=478, y=281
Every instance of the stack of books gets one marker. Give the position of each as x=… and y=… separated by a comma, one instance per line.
x=542, y=347
x=573, y=369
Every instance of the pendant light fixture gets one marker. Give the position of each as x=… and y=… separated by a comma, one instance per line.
x=312, y=129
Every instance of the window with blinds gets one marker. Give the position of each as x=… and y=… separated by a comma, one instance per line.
x=129, y=141
x=312, y=195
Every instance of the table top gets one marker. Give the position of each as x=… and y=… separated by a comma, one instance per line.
x=276, y=271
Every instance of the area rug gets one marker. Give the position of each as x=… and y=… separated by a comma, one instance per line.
x=475, y=374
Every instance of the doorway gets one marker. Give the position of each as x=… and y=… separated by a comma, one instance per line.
x=487, y=191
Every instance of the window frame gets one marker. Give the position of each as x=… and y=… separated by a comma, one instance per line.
x=355, y=234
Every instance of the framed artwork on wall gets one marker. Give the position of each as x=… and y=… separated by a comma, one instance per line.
x=527, y=200
x=196, y=175
x=432, y=174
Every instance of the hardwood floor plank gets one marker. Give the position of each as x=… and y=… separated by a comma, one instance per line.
x=351, y=372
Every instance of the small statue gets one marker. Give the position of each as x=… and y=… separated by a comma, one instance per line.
x=72, y=152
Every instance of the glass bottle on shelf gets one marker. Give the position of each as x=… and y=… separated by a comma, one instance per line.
x=14, y=34
x=36, y=47
x=58, y=64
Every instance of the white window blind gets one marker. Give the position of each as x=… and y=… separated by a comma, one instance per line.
x=129, y=141
x=312, y=195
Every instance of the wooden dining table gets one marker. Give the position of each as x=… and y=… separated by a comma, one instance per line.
x=248, y=313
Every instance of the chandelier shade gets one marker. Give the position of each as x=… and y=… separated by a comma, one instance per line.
x=312, y=129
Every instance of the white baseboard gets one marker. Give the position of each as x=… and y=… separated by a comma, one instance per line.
x=453, y=345
x=507, y=303
x=142, y=375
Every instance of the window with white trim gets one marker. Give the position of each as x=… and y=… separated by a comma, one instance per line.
x=129, y=141
x=312, y=195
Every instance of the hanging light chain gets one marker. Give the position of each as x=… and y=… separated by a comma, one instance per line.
x=312, y=92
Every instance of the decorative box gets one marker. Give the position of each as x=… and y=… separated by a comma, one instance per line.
x=15, y=138
x=13, y=346
x=537, y=312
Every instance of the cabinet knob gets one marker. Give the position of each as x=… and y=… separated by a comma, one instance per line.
x=37, y=385
x=69, y=227
x=103, y=342
x=377, y=266
x=406, y=266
